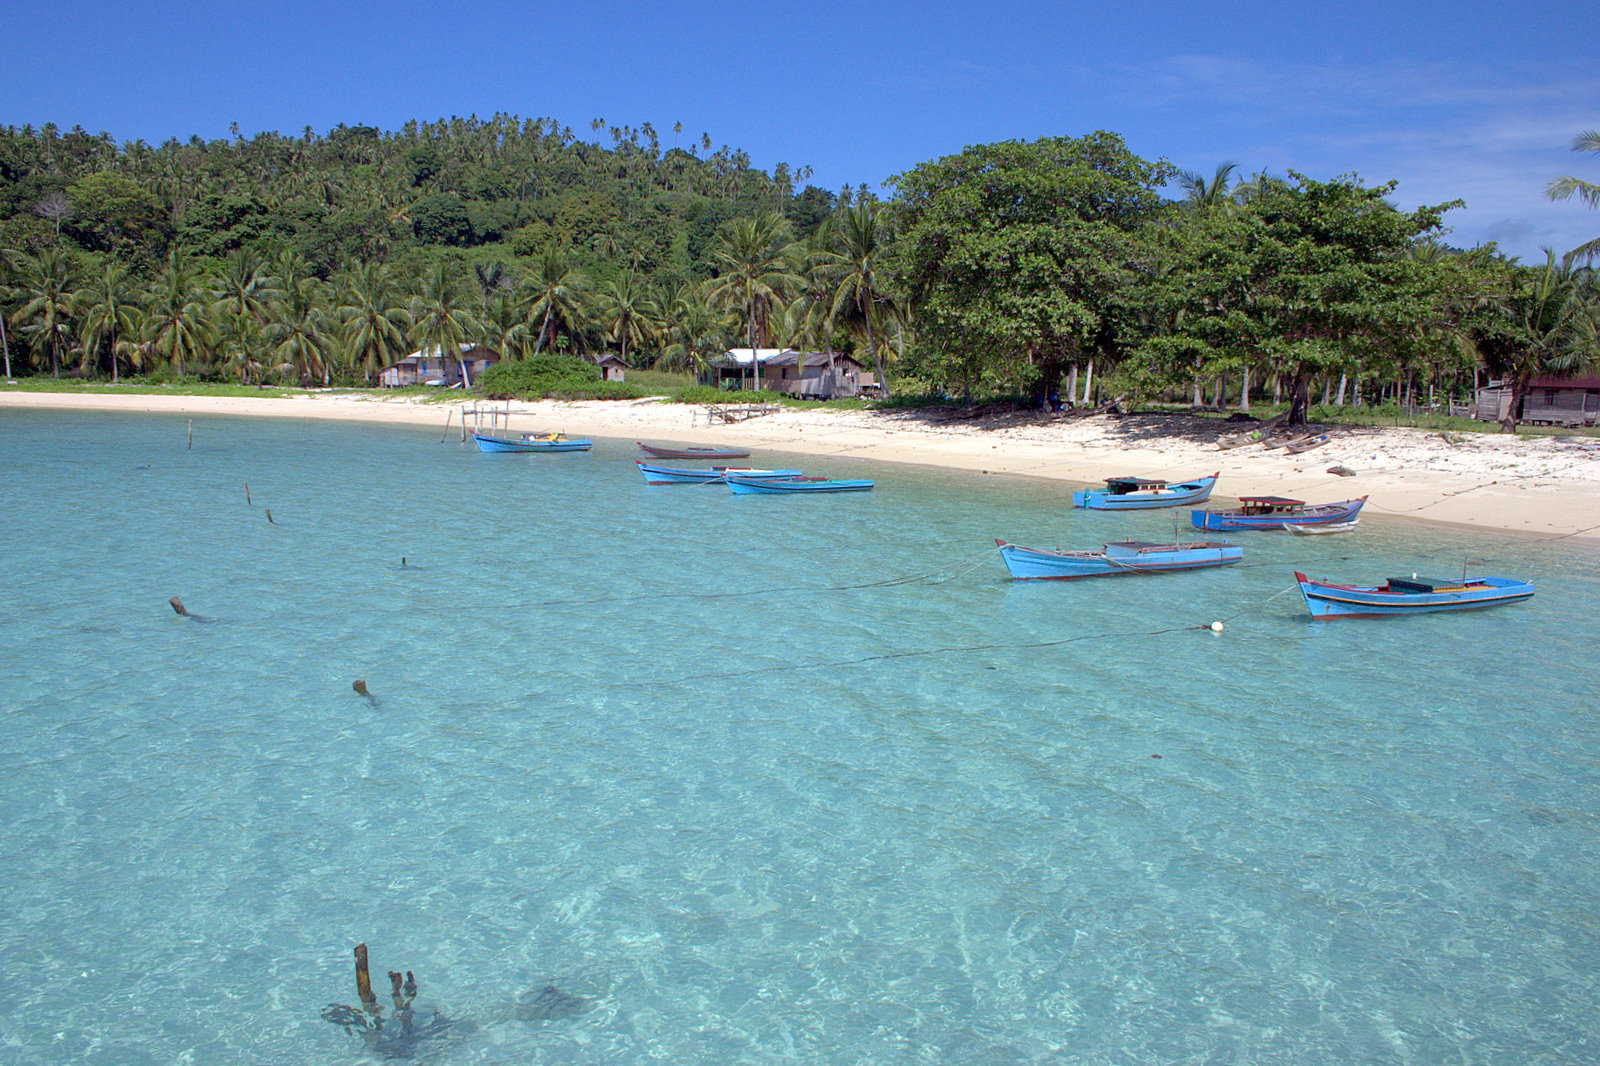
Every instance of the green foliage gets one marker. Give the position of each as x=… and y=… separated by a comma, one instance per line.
x=442, y=219
x=1017, y=253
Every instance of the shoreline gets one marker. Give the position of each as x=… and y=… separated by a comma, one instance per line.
x=1533, y=486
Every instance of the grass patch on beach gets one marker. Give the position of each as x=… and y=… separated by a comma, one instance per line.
x=143, y=387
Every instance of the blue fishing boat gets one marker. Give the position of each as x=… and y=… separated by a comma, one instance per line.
x=531, y=442
x=745, y=486
x=1409, y=595
x=1121, y=557
x=674, y=475
x=659, y=452
x=1277, y=512
x=1136, y=493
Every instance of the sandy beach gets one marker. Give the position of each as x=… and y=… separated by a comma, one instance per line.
x=1540, y=486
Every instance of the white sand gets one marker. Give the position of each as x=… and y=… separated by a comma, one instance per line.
x=1533, y=485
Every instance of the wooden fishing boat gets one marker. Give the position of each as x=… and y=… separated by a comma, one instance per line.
x=1305, y=444
x=1121, y=557
x=675, y=475
x=1277, y=512
x=750, y=485
x=1332, y=527
x=693, y=452
x=531, y=442
x=1134, y=493
x=1409, y=595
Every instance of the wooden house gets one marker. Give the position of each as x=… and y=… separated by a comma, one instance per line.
x=428, y=367
x=612, y=368
x=1550, y=400
x=811, y=374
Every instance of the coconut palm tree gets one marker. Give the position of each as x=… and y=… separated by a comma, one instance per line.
x=1205, y=194
x=44, y=285
x=440, y=318
x=1568, y=187
x=106, y=312
x=863, y=250
x=755, y=262
x=176, y=324
x=1551, y=315
x=628, y=311
x=244, y=287
x=555, y=292
x=298, y=333
x=374, y=323
x=812, y=312
x=693, y=330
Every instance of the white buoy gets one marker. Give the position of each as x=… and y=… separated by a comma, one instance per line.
x=1216, y=627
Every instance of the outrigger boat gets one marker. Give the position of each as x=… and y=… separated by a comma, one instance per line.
x=1409, y=595
x=1121, y=557
x=531, y=442
x=693, y=452
x=673, y=475
x=1334, y=527
x=1277, y=512
x=1134, y=493
x=745, y=486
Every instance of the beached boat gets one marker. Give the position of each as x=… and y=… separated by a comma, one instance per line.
x=531, y=442
x=1333, y=527
x=751, y=485
x=693, y=453
x=676, y=475
x=1277, y=512
x=1305, y=444
x=1121, y=557
x=1409, y=595
x=1134, y=493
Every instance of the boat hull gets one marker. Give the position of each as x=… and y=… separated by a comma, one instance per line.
x=1327, y=600
x=1327, y=514
x=1186, y=492
x=487, y=443
x=692, y=453
x=1127, y=557
x=790, y=486
x=677, y=475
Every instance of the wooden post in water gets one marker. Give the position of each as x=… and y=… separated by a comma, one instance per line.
x=191, y=434
x=446, y=433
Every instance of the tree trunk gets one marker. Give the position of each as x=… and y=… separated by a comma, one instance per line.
x=1221, y=391
x=1343, y=380
x=1327, y=386
x=1198, y=400
x=1244, y=389
x=1072, y=383
x=1299, y=398
x=5, y=345
x=1519, y=388
x=1088, y=383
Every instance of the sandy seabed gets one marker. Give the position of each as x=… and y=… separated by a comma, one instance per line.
x=1541, y=486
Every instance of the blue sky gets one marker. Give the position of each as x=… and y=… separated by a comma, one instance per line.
x=1470, y=101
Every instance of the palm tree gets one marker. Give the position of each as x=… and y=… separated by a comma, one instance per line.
x=1552, y=314
x=490, y=278
x=1205, y=194
x=754, y=260
x=554, y=291
x=692, y=330
x=176, y=325
x=245, y=288
x=812, y=309
x=627, y=311
x=863, y=243
x=298, y=332
x=374, y=324
x=106, y=312
x=440, y=318
x=1568, y=187
x=44, y=284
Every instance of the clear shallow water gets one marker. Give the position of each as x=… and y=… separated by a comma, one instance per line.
x=635, y=742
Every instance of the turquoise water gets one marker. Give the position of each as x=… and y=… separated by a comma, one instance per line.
x=758, y=779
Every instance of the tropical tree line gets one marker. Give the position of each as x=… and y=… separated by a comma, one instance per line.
x=1010, y=268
